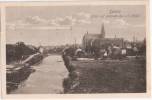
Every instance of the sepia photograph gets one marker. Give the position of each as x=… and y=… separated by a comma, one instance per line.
x=76, y=49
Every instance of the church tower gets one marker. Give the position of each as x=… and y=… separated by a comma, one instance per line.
x=102, y=34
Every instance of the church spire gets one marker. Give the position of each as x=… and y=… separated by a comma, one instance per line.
x=102, y=31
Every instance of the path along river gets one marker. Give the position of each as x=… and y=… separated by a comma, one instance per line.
x=47, y=78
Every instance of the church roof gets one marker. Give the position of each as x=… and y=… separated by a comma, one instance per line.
x=95, y=35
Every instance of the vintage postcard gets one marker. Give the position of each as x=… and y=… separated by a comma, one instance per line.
x=75, y=48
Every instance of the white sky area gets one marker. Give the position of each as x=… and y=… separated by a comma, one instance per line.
x=59, y=25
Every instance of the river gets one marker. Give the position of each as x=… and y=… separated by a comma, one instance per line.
x=47, y=78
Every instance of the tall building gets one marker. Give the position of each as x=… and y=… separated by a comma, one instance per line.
x=102, y=33
x=93, y=40
x=89, y=37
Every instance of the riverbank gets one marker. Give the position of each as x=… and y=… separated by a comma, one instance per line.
x=65, y=76
x=47, y=78
x=17, y=72
x=110, y=76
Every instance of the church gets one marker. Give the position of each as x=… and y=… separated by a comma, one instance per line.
x=99, y=40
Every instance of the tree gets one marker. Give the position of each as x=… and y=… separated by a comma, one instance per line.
x=19, y=50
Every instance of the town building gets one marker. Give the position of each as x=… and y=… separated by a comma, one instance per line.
x=99, y=40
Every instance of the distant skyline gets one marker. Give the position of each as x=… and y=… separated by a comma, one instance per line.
x=59, y=25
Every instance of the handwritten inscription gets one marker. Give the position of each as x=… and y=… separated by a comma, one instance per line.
x=116, y=14
x=114, y=11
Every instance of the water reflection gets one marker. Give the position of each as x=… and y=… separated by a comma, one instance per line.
x=48, y=77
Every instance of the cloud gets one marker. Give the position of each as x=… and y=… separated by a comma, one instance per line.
x=62, y=21
x=83, y=18
x=84, y=15
x=35, y=20
x=124, y=23
x=79, y=18
x=17, y=24
x=121, y=22
x=27, y=22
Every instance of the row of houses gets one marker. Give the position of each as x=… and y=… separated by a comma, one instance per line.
x=92, y=43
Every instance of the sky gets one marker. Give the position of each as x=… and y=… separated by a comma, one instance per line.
x=59, y=25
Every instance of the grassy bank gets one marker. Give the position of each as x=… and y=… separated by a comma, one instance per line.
x=111, y=76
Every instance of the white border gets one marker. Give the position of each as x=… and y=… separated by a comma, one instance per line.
x=74, y=3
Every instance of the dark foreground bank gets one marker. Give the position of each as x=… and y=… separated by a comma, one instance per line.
x=17, y=72
x=106, y=76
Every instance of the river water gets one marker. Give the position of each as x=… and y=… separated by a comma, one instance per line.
x=47, y=78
